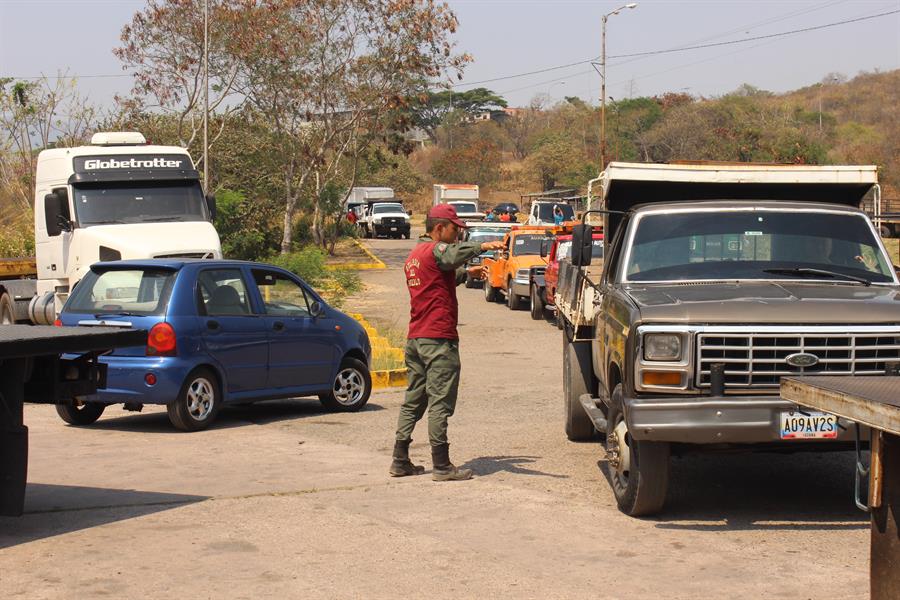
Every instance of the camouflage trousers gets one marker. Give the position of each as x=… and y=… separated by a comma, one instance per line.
x=433, y=374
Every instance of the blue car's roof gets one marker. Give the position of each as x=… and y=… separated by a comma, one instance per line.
x=174, y=263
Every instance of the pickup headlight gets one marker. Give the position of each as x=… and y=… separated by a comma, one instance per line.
x=523, y=274
x=475, y=260
x=377, y=220
x=662, y=347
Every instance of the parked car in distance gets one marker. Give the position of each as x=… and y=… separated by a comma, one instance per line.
x=483, y=232
x=219, y=332
x=560, y=250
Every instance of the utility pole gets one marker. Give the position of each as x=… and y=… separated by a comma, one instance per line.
x=206, y=96
x=603, y=82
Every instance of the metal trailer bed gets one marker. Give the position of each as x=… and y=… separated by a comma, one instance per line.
x=32, y=369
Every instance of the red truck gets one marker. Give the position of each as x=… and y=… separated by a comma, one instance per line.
x=560, y=249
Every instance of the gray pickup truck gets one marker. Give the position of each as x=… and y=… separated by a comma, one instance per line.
x=718, y=280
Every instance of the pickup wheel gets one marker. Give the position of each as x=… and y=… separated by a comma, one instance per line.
x=7, y=310
x=512, y=299
x=638, y=470
x=578, y=379
x=470, y=282
x=537, y=304
x=80, y=413
x=490, y=292
x=198, y=401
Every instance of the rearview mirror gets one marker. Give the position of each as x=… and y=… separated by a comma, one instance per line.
x=211, y=204
x=52, y=213
x=582, y=244
x=316, y=309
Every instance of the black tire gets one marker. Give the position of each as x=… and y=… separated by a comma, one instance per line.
x=406, y=235
x=7, y=310
x=885, y=231
x=351, y=388
x=578, y=379
x=640, y=485
x=490, y=292
x=368, y=233
x=198, y=402
x=470, y=282
x=537, y=304
x=81, y=413
x=513, y=302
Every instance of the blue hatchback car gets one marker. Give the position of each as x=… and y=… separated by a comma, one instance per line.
x=219, y=332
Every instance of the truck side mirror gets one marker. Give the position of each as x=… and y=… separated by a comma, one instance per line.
x=52, y=213
x=545, y=248
x=582, y=244
x=211, y=205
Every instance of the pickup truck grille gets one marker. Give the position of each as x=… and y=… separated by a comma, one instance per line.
x=393, y=221
x=757, y=361
x=539, y=270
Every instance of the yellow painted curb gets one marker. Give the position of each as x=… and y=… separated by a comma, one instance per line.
x=388, y=379
x=375, y=264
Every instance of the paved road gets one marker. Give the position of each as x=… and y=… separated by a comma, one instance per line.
x=283, y=499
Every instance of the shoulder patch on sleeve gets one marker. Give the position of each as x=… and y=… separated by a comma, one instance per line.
x=442, y=247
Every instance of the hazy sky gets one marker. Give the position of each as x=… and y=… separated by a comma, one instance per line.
x=509, y=37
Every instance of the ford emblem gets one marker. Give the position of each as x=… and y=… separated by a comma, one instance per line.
x=802, y=359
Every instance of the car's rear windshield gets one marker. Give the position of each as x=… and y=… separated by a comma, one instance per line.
x=139, y=291
x=753, y=244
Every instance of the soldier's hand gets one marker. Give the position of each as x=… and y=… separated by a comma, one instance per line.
x=498, y=245
x=476, y=272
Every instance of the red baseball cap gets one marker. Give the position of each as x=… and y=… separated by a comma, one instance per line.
x=446, y=211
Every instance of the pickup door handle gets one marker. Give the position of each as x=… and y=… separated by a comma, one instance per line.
x=278, y=325
x=212, y=325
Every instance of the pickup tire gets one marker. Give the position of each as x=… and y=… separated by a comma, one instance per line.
x=578, y=379
x=537, y=304
x=82, y=413
x=471, y=283
x=406, y=235
x=198, y=401
x=490, y=292
x=513, y=302
x=7, y=310
x=638, y=470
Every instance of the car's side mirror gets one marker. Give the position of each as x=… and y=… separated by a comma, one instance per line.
x=53, y=213
x=316, y=309
x=211, y=204
x=582, y=244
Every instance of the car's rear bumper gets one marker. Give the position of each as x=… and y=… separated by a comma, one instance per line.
x=715, y=420
x=126, y=379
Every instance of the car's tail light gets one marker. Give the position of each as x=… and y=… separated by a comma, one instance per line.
x=57, y=323
x=161, y=340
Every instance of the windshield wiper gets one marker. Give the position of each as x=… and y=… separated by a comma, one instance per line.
x=161, y=219
x=123, y=313
x=111, y=222
x=818, y=272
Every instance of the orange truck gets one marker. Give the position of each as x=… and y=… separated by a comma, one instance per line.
x=511, y=271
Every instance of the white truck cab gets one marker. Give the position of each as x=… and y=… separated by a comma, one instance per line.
x=118, y=198
x=462, y=197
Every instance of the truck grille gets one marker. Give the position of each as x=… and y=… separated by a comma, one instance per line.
x=393, y=221
x=539, y=270
x=756, y=361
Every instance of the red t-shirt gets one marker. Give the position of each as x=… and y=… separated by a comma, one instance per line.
x=434, y=312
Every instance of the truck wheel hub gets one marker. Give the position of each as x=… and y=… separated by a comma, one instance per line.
x=618, y=452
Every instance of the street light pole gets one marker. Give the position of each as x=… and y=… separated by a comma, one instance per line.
x=603, y=82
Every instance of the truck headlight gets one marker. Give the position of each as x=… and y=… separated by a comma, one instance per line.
x=523, y=274
x=376, y=221
x=662, y=347
x=475, y=260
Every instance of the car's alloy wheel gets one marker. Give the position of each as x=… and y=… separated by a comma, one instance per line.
x=351, y=387
x=198, y=401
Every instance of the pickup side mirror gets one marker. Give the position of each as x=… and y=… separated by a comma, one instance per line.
x=211, y=205
x=409, y=212
x=545, y=248
x=316, y=309
x=582, y=244
x=53, y=214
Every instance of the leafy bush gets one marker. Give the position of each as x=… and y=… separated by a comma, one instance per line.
x=308, y=263
x=16, y=242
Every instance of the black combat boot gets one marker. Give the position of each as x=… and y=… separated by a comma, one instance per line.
x=402, y=466
x=443, y=468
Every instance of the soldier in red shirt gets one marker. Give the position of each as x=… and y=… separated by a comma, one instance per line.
x=433, y=270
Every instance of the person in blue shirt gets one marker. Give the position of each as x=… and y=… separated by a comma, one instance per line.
x=558, y=216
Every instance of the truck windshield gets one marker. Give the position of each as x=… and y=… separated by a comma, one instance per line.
x=465, y=207
x=387, y=208
x=754, y=245
x=139, y=202
x=545, y=212
x=527, y=245
x=140, y=291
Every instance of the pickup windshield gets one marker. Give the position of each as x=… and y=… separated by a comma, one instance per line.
x=545, y=212
x=378, y=209
x=143, y=202
x=527, y=245
x=464, y=207
x=754, y=244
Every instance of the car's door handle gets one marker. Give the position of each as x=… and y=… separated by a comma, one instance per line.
x=278, y=325
x=212, y=325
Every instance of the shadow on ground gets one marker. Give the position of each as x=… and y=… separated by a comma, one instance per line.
x=764, y=491
x=488, y=465
x=52, y=510
x=260, y=413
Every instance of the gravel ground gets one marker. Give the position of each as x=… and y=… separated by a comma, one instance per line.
x=284, y=499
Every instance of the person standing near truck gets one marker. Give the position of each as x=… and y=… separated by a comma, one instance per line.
x=433, y=270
